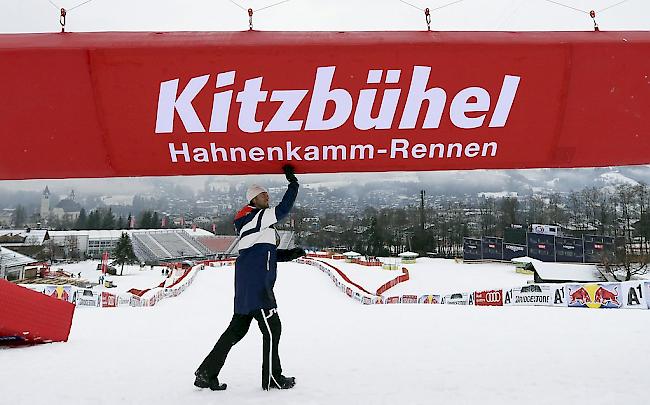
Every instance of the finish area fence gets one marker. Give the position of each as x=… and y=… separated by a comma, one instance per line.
x=547, y=248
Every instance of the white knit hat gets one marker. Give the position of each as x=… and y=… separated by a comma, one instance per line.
x=253, y=191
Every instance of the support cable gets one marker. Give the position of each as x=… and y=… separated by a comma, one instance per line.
x=427, y=11
x=590, y=13
x=65, y=11
x=251, y=11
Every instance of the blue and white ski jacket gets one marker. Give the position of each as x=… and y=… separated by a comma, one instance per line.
x=256, y=266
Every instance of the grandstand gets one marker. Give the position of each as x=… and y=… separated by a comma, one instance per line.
x=167, y=245
x=221, y=245
x=227, y=245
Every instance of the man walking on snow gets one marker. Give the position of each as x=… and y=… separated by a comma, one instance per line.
x=255, y=274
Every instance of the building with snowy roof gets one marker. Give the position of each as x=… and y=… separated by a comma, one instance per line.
x=12, y=264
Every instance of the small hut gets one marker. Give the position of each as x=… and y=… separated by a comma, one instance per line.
x=390, y=263
x=408, y=257
x=351, y=256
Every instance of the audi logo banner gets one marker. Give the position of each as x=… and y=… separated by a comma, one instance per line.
x=489, y=298
x=184, y=103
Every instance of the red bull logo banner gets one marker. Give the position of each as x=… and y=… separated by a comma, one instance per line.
x=429, y=299
x=248, y=102
x=594, y=295
x=62, y=292
x=458, y=299
x=489, y=298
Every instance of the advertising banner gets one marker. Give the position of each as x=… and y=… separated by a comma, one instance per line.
x=429, y=299
x=458, y=299
x=568, y=249
x=62, y=292
x=124, y=300
x=489, y=298
x=512, y=251
x=87, y=298
x=596, y=247
x=541, y=247
x=108, y=300
x=595, y=295
x=409, y=299
x=472, y=249
x=534, y=294
x=248, y=102
x=633, y=294
x=492, y=248
x=559, y=295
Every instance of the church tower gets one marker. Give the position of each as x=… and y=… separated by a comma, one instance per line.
x=45, y=204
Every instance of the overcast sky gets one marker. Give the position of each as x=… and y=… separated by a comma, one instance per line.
x=25, y=16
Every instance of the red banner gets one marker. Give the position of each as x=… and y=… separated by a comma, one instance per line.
x=488, y=298
x=136, y=104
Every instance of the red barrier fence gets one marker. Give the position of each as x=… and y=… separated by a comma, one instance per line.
x=31, y=317
x=91, y=104
x=344, y=276
x=392, y=283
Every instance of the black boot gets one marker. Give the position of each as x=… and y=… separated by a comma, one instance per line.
x=203, y=381
x=281, y=382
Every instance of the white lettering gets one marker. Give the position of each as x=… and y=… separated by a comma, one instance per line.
x=290, y=99
x=321, y=95
x=417, y=94
x=461, y=105
x=221, y=103
x=504, y=103
x=168, y=103
x=174, y=153
x=249, y=98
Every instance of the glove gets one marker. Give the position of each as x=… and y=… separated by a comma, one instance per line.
x=290, y=173
x=287, y=255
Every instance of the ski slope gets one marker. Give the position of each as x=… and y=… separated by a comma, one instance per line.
x=341, y=352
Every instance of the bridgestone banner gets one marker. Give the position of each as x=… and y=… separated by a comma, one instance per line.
x=151, y=104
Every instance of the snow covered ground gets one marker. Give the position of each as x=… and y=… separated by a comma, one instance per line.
x=133, y=276
x=342, y=352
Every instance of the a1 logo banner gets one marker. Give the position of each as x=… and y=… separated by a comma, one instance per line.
x=594, y=295
x=633, y=295
x=559, y=295
x=429, y=299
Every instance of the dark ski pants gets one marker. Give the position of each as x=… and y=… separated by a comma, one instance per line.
x=270, y=326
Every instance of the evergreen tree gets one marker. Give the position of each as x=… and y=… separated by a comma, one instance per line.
x=80, y=223
x=94, y=220
x=120, y=223
x=108, y=219
x=145, y=220
x=155, y=220
x=123, y=252
x=19, y=216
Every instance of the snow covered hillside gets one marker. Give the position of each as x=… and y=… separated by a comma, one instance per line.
x=342, y=352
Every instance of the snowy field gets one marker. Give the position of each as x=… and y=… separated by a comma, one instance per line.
x=342, y=352
x=132, y=276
